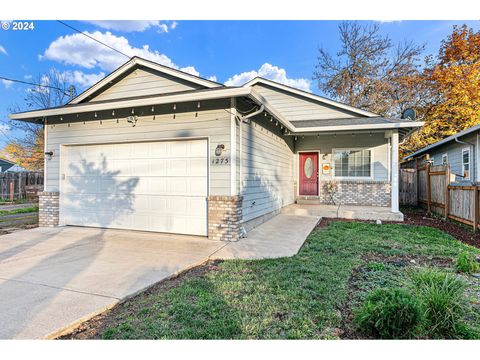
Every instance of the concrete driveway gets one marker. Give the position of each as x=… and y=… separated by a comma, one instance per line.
x=52, y=279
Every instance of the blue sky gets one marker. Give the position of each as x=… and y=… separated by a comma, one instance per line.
x=229, y=51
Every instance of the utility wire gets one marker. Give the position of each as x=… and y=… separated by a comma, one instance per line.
x=92, y=38
x=30, y=83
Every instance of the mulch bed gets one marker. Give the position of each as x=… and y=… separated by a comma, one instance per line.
x=419, y=217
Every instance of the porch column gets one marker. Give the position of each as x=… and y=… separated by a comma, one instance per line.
x=394, y=169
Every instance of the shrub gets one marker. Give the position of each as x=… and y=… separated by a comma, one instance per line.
x=443, y=301
x=389, y=314
x=466, y=263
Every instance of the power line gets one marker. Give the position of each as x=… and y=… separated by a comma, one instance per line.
x=30, y=83
x=92, y=38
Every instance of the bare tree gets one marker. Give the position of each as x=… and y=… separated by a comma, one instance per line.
x=27, y=149
x=369, y=71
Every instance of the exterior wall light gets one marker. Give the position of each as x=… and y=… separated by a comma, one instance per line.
x=219, y=149
x=49, y=155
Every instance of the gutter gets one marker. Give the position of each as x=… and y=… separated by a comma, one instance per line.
x=90, y=107
x=463, y=142
x=246, y=118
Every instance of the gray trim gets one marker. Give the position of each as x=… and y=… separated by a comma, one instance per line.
x=346, y=121
x=444, y=141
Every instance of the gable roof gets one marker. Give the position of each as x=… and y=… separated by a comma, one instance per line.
x=134, y=63
x=299, y=111
x=310, y=96
x=7, y=161
x=444, y=141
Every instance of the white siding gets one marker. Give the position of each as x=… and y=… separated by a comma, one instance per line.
x=144, y=82
x=295, y=108
x=213, y=124
x=325, y=144
x=267, y=169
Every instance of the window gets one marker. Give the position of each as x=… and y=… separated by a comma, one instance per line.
x=352, y=162
x=444, y=159
x=466, y=163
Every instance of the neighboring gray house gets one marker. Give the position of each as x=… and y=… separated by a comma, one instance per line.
x=460, y=151
x=5, y=165
x=156, y=149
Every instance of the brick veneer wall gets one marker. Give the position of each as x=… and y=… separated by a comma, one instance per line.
x=48, y=213
x=350, y=192
x=224, y=217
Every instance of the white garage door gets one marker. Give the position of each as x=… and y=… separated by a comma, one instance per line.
x=151, y=186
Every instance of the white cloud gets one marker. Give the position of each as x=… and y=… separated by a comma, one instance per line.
x=83, y=80
x=2, y=50
x=190, y=70
x=6, y=83
x=388, y=21
x=162, y=28
x=4, y=129
x=28, y=77
x=173, y=25
x=129, y=25
x=212, y=78
x=77, y=49
x=270, y=72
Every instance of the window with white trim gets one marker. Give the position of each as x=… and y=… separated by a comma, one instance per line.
x=352, y=162
x=444, y=159
x=466, y=163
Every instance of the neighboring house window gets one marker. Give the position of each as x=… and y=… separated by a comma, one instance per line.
x=466, y=163
x=444, y=159
x=352, y=162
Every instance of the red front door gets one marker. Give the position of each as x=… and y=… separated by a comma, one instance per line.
x=308, y=173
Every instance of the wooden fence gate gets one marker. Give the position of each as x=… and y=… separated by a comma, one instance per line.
x=435, y=192
x=408, y=187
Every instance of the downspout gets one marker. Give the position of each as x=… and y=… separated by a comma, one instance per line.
x=243, y=119
x=45, y=137
x=472, y=148
x=248, y=116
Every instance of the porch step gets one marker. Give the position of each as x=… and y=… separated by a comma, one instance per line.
x=344, y=211
x=311, y=210
x=308, y=200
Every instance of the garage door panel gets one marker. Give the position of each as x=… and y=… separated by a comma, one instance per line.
x=156, y=186
x=158, y=167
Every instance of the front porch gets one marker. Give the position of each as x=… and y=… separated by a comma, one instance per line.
x=354, y=212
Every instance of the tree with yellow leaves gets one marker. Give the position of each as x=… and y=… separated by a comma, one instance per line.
x=27, y=149
x=453, y=89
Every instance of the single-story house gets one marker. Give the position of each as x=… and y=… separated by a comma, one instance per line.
x=5, y=165
x=157, y=149
x=460, y=151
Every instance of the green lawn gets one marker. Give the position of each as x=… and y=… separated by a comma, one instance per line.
x=304, y=297
x=19, y=211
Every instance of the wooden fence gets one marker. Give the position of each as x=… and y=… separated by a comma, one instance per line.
x=20, y=185
x=408, y=187
x=431, y=185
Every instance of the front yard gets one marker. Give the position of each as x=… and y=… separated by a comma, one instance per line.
x=312, y=295
x=18, y=216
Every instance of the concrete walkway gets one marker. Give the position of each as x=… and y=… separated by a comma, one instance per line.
x=281, y=236
x=52, y=279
